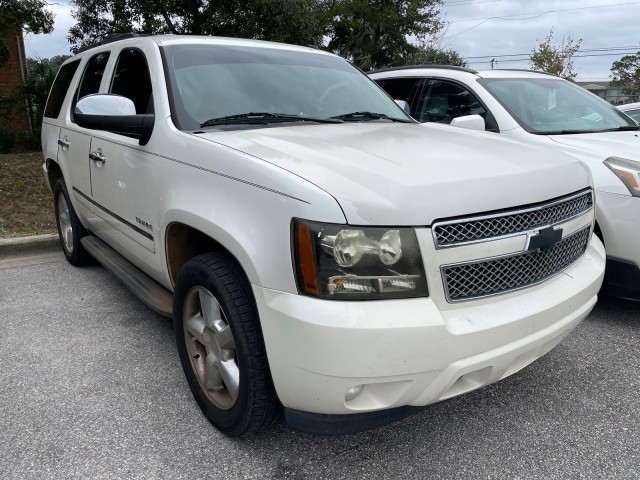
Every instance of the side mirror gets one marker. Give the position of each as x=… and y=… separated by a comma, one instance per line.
x=472, y=122
x=113, y=113
x=404, y=105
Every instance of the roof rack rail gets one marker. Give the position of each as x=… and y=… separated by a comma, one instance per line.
x=113, y=37
x=524, y=70
x=427, y=65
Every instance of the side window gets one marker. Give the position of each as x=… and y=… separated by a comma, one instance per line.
x=442, y=101
x=131, y=79
x=92, y=77
x=59, y=89
x=400, y=89
x=635, y=114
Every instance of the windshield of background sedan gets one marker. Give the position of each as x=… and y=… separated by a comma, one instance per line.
x=553, y=106
x=222, y=86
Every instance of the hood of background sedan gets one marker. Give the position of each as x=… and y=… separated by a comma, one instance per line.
x=409, y=174
x=607, y=144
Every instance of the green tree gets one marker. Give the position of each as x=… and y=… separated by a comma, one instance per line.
x=555, y=59
x=37, y=84
x=626, y=75
x=430, y=55
x=374, y=33
x=291, y=21
x=30, y=15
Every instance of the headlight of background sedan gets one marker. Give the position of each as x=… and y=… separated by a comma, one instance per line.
x=357, y=263
x=627, y=171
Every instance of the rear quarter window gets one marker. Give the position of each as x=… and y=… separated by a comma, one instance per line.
x=60, y=88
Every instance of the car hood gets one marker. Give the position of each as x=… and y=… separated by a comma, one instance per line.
x=411, y=174
x=607, y=144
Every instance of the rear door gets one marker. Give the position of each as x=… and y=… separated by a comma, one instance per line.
x=76, y=141
x=53, y=115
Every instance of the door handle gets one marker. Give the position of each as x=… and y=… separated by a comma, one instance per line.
x=97, y=156
x=63, y=142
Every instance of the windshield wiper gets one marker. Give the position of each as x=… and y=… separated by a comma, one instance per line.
x=575, y=132
x=566, y=132
x=624, y=128
x=363, y=116
x=263, y=117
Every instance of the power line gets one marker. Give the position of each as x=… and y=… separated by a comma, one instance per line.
x=467, y=2
x=537, y=14
x=526, y=59
x=585, y=50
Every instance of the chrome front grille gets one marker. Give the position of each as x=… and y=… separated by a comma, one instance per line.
x=455, y=232
x=512, y=272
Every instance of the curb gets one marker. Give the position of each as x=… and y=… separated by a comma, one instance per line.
x=29, y=245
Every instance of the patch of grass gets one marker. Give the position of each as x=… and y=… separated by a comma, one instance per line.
x=26, y=204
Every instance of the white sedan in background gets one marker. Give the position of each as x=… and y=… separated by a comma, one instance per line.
x=545, y=110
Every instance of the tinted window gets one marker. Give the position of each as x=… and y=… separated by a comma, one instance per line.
x=400, y=89
x=59, y=89
x=131, y=79
x=93, y=73
x=442, y=101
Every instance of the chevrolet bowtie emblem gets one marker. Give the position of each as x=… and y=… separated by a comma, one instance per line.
x=544, y=239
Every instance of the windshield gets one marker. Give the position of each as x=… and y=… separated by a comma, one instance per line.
x=548, y=106
x=223, y=86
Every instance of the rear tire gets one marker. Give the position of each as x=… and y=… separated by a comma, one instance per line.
x=220, y=345
x=70, y=229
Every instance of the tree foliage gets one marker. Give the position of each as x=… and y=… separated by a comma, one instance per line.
x=37, y=84
x=374, y=33
x=430, y=55
x=370, y=33
x=555, y=59
x=30, y=15
x=626, y=75
x=291, y=21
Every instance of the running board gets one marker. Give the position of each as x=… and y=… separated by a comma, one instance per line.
x=154, y=295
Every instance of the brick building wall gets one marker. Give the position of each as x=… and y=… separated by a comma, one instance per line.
x=14, y=115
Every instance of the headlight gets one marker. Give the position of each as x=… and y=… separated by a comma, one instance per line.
x=627, y=171
x=357, y=263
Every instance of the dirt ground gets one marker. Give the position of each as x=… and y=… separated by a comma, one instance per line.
x=26, y=204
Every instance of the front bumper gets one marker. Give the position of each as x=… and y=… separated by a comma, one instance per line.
x=617, y=217
x=415, y=352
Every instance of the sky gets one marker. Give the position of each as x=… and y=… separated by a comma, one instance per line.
x=491, y=29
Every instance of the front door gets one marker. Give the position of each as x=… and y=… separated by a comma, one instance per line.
x=122, y=170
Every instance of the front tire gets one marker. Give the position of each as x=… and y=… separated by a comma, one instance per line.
x=220, y=345
x=70, y=229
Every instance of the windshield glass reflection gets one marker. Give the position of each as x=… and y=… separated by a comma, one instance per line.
x=555, y=106
x=227, y=85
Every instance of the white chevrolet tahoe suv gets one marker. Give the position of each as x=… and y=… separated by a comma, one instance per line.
x=544, y=110
x=317, y=249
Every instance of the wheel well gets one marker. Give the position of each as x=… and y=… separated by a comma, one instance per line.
x=53, y=172
x=183, y=243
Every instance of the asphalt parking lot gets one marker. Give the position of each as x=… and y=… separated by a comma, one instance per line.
x=91, y=387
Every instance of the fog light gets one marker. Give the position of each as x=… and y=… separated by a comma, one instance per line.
x=353, y=393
